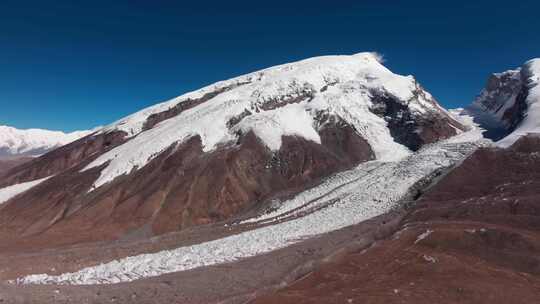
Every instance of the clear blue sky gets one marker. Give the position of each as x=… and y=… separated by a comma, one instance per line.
x=76, y=64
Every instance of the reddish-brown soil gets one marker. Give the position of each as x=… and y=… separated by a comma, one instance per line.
x=9, y=162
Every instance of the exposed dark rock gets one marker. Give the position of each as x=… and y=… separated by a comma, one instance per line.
x=342, y=139
x=410, y=129
x=187, y=104
x=514, y=115
x=500, y=88
x=236, y=119
x=304, y=92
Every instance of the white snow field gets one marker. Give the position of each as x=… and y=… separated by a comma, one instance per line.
x=531, y=123
x=9, y=192
x=336, y=85
x=347, y=198
x=34, y=141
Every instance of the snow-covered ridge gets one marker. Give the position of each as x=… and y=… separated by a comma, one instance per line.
x=337, y=85
x=510, y=102
x=531, y=121
x=9, y=192
x=34, y=141
x=349, y=197
x=500, y=93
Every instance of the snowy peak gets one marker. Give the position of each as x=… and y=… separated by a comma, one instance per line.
x=500, y=93
x=33, y=142
x=391, y=112
x=509, y=106
x=288, y=81
x=242, y=145
x=530, y=123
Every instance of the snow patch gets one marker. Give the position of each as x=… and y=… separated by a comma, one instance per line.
x=271, y=125
x=429, y=258
x=423, y=236
x=9, y=192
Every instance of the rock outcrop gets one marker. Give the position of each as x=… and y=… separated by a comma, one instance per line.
x=509, y=106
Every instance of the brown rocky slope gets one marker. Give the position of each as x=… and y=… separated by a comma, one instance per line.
x=9, y=162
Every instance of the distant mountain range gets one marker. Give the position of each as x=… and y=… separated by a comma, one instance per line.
x=33, y=142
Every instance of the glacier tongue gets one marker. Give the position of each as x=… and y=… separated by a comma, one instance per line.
x=366, y=191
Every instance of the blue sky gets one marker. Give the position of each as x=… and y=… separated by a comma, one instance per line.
x=71, y=65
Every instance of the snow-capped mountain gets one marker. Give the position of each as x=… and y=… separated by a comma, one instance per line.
x=228, y=148
x=33, y=142
x=509, y=106
x=387, y=110
x=292, y=170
